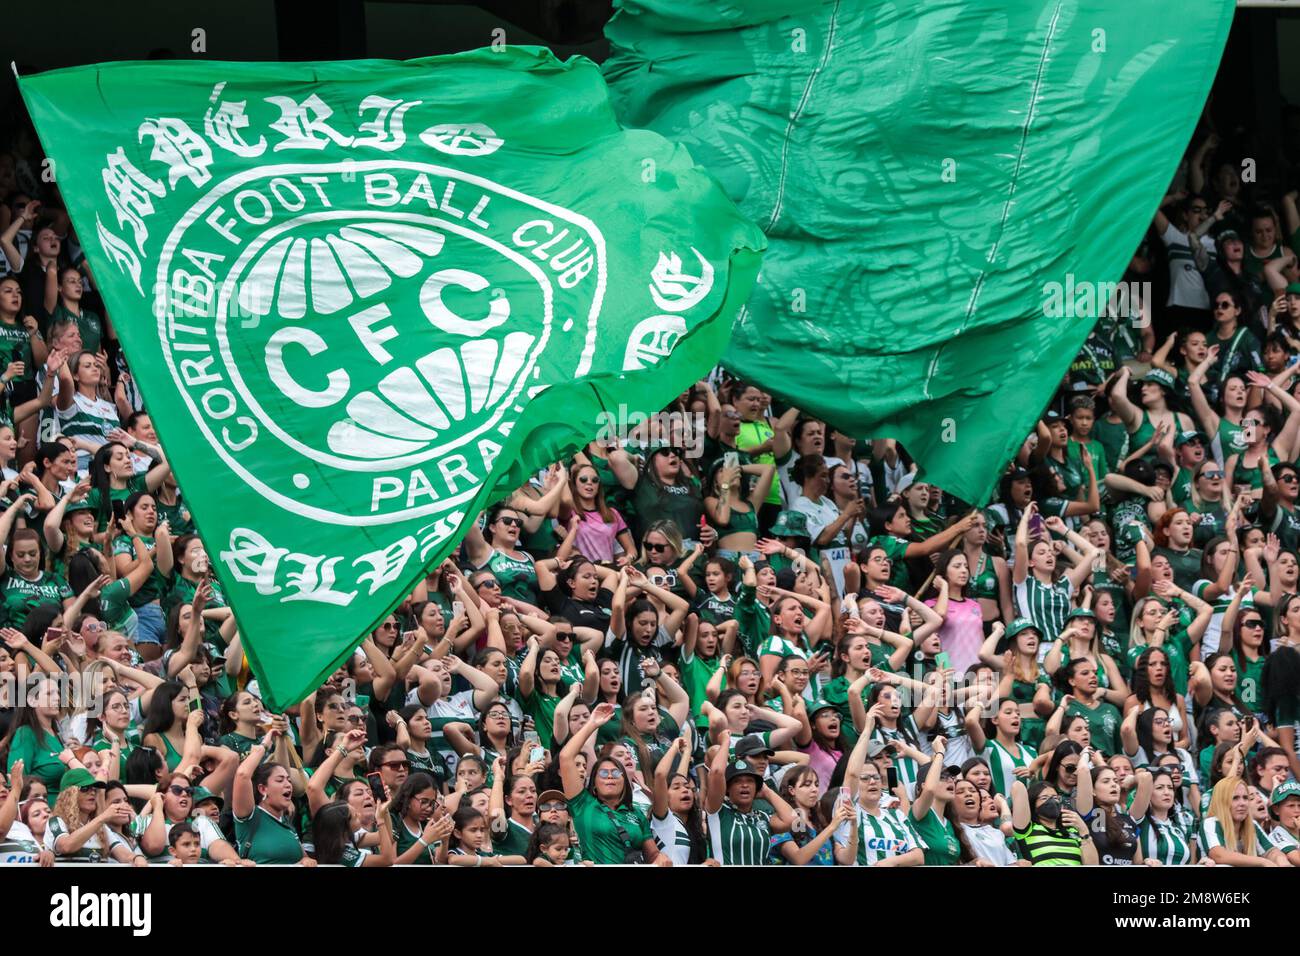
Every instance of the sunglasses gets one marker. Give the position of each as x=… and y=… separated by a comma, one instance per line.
x=355, y=721
x=650, y=546
x=1288, y=478
x=1070, y=767
x=588, y=480
x=1254, y=622
x=397, y=764
x=609, y=773
x=1221, y=306
x=1211, y=474
x=179, y=791
x=551, y=807
x=488, y=583
x=388, y=626
x=510, y=522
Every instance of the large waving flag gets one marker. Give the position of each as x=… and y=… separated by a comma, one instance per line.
x=364, y=298
x=933, y=177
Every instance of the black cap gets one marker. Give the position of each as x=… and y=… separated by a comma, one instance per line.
x=743, y=768
x=751, y=745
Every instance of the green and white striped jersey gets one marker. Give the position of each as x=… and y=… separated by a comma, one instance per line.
x=1165, y=841
x=1210, y=835
x=1003, y=763
x=880, y=836
x=740, y=839
x=905, y=766
x=1046, y=606
x=1283, y=840
x=91, y=851
x=90, y=419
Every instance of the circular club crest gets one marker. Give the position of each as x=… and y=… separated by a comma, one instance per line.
x=361, y=341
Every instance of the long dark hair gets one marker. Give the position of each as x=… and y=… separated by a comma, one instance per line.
x=331, y=831
x=417, y=782
x=1114, y=828
x=159, y=718
x=1066, y=748
x=543, y=835
x=1280, y=681
x=1146, y=734
x=99, y=477
x=1142, y=680
x=625, y=798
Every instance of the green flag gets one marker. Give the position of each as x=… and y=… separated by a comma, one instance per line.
x=932, y=177
x=362, y=299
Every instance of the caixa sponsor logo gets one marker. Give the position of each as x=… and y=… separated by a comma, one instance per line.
x=885, y=845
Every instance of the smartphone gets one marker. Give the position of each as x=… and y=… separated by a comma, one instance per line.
x=1036, y=525
x=194, y=703
x=376, y=785
x=119, y=509
x=538, y=751
x=891, y=778
x=731, y=460
x=823, y=647
x=457, y=608
x=942, y=660
x=842, y=797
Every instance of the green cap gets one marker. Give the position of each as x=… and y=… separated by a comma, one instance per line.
x=1287, y=788
x=1190, y=435
x=76, y=777
x=1160, y=377
x=75, y=506
x=1018, y=625
x=203, y=793
x=791, y=524
x=1293, y=289
x=1080, y=612
x=818, y=705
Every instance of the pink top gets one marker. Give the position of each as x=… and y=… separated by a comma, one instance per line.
x=962, y=633
x=596, y=540
x=824, y=763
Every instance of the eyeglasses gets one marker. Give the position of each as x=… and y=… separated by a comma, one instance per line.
x=179, y=791
x=1201, y=209
x=869, y=778
x=1221, y=306
x=651, y=546
x=1160, y=721
x=397, y=764
x=1288, y=477
x=1253, y=623
x=94, y=627
x=489, y=583
x=1070, y=767
x=609, y=773
x=355, y=720
x=425, y=801
x=388, y=626
x=552, y=807
x=510, y=522
x=1211, y=474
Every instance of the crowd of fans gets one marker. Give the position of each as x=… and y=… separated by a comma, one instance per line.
x=789, y=649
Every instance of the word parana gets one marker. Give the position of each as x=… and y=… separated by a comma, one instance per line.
x=77, y=910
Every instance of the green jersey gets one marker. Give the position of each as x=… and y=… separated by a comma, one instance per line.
x=92, y=851
x=513, y=841
x=155, y=584
x=696, y=674
x=896, y=548
x=20, y=595
x=16, y=346
x=1186, y=565
x=1004, y=762
x=1165, y=841
x=1211, y=835
x=1044, y=604
x=601, y=829
x=404, y=839
x=1103, y=725
x=740, y=838
x=517, y=576
x=264, y=838
x=939, y=840
x=752, y=618
x=90, y=325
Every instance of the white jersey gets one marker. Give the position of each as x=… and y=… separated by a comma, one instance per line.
x=987, y=842
x=672, y=838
